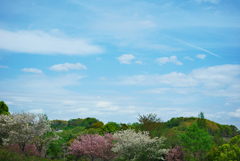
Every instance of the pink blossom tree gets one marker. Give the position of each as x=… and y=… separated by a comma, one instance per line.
x=93, y=146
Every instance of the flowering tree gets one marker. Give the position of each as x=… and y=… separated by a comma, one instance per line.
x=93, y=146
x=24, y=128
x=133, y=145
x=19, y=127
x=43, y=134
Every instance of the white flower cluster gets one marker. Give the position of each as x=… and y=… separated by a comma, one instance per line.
x=132, y=144
x=24, y=128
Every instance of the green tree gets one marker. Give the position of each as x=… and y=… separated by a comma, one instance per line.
x=97, y=125
x=201, y=122
x=151, y=123
x=226, y=152
x=124, y=126
x=4, y=110
x=196, y=140
x=111, y=127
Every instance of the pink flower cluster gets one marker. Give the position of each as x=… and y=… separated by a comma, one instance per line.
x=93, y=146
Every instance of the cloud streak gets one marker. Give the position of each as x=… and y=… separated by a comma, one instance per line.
x=39, y=42
x=67, y=66
x=3, y=66
x=32, y=70
x=193, y=46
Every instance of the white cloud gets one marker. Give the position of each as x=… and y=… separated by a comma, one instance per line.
x=235, y=114
x=58, y=112
x=187, y=57
x=227, y=104
x=3, y=66
x=39, y=42
x=164, y=60
x=126, y=58
x=67, y=66
x=210, y=1
x=216, y=76
x=139, y=62
x=201, y=56
x=103, y=104
x=32, y=70
x=78, y=110
x=36, y=111
x=102, y=78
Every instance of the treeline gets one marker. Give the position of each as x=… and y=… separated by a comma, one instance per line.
x=178, y=123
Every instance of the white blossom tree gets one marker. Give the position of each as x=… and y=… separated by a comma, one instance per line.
x=131, y=145
x=19, y=127
x=25, y=128
x=43, y=133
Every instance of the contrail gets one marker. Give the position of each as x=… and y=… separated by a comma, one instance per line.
x=196, y=47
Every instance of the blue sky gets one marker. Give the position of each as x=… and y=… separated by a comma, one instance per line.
x=113, y=60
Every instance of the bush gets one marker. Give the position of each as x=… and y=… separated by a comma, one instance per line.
x=175, y=154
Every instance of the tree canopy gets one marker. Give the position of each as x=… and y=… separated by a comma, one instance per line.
x=4, y=108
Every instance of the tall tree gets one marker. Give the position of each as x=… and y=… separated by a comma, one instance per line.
x=201, y=122
x=150, y=123
x=4, y=109
x=20, y=129
x=43, y=133
x=196, y=141
x=24, y=128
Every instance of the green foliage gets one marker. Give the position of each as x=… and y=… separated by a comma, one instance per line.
x=226, y=130
x=4, y=110
x=97, y=125
x=201, y=122
x=67, y=135
x=58, y=124
x=92, y=131
x=111, y=127
x=6, y=154
x=173, y=122
x=87, y=122
x=196, y=140
x=124, y=126
x=226, y=152
x=77, y=130
x=55, y=149
x=218, y=139
x=75, y=122
x=150, y=123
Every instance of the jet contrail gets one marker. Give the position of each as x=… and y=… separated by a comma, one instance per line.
x=196, y=47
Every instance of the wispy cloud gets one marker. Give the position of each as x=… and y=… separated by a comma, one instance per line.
x=67, y=66
x=139, y=62
x=102, y=78
x=210, y=1
x=32, y=70
x=201, y=56
x=39, y=42
x=36, y=111
x=164, y=60
x=187, y=57
x=126, y=58
x=3, y=66
x=103, y=104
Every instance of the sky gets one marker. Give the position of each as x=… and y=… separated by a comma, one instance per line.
x=116, y=60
